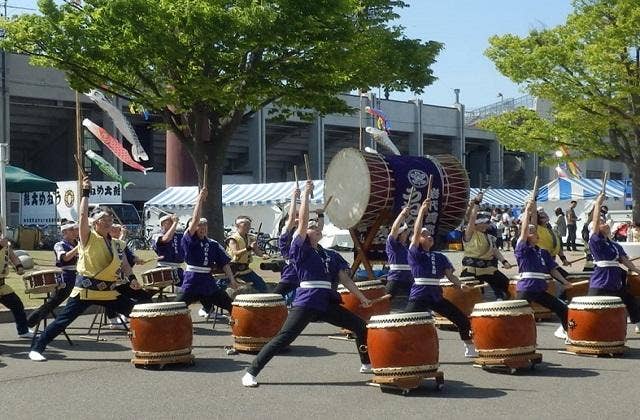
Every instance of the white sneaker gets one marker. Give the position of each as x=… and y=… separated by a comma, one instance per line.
x=202, y=313
x=470, y=350
x=28, y=334
x=366, y=368
x=637, y=329
x=36, y=357
x=116, y=324
x=560, y=333
x=249, y=380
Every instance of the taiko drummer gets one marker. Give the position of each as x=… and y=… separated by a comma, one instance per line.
x=608, y=279
x=319, y=271
x=428, y=268
x=399, y=279
x=534, y=263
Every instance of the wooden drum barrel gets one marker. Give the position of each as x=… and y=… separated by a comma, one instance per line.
x=372, y=289
x=256, y=319
x=402, y=345
x=161, y=333
x=539, y=311
x=580, y=282
x=463, y=299
x=503, y=329
x=597, y=325
x=633, y=283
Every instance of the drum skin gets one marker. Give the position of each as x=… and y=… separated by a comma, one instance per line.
x=352, y=303
x=161, y=334
x=597, y=325
x=403, y=346
x=503, y=332
x=258, y=322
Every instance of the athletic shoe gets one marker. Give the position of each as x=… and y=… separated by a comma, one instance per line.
x=560, y=333
x=366, y=368
x=249, y=380
x=28, y=334
x=116, y=324
x=36, y=357
x=470, y=350
x=202, y=313
x=637, y=329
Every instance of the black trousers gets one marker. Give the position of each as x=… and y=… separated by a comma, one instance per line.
x=135, y=296
x=548, y=301
x=498, y=282
x=447, y=310
x=285, y=288
x=571, y=237
x=219, y=298
x=59, y=296
x=627, y=298
x=15, y=305
x=298, y=319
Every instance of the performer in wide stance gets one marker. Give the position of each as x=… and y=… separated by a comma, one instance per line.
x=66, y=252
x=428, y=268
x=288, y=277
x=534, y=263
x=399, y=279
x=99, y=263
x=319, y=271
x=608, y=279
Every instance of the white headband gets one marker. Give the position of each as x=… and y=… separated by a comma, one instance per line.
x=203, y=221
x=97, y=216
x=67, y=226
x=165, y=217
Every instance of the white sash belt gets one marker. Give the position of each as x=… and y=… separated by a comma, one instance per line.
x=533, y=275
x=315, y=284
x=68, y=268
x=423, y=281
x=399, y=267
x=606, y=263
x=198, y=269
x=169, y=264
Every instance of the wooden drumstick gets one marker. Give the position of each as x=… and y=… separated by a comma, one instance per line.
x=577, y=259
x=605, y=176
x=479, y=286
x=534, y=191
x=580, y=283
x=428, y=196
x=295, y=176
x=80, y=166
x=635, y=258
x=307, y=170
x=413, y=190
x=380, y=299
x=324, y=209
x=204, y=175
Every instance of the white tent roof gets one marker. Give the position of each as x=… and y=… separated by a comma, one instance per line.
x=235, y=195
x=579, y=189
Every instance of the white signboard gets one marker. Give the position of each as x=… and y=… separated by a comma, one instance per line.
x=39, y=207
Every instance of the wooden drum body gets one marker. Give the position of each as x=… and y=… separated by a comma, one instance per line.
x=633, y=283
x=161, y=333
x=463, y=299
x=503, y=329
x=539, y=311
x=159, y=277
x=256, y=319
x=372, y=289
x=403, y=345
x=44, y=281
x=597, y=324
x=580, y=285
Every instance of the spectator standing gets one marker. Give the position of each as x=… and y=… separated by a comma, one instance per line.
x=560, y=225
x=571, y=226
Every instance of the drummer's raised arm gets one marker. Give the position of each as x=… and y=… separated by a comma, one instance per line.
x=83, y=222
x=197, y=211
x=417, y=228
x=291, y=219
x=303, y=213
x=471, y=224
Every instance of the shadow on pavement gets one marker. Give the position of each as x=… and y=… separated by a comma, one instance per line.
x=451, y=389
x=346, y=383
x=307, y=351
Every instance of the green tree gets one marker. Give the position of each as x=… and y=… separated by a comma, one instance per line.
x=589, y=70
x=206, y=66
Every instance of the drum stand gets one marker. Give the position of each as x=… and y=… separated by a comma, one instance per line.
x=44, y=322
x=102, y=313
x=512, y=363
x=363, y=247
x=406, y=384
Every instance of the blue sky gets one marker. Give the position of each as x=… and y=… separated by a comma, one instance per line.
x=464, y=26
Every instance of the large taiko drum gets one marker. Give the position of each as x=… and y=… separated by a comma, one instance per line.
x=43, y=281
x=372, y=289
x=256, y=319
x=633, y=283
x=503, y=329
x=159, y=278
x=465, y=300
x=161, y=333
x=403, y=345
x=580, y=281
x=539, y=311
x=367, y=185
x=597, y=324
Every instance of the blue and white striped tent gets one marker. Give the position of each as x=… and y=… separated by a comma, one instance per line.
x=579, y=189
x=502, y=197
x=234, y=195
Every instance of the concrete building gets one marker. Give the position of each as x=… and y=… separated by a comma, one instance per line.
x=38, y=123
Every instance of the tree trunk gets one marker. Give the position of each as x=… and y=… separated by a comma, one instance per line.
x=634, y=170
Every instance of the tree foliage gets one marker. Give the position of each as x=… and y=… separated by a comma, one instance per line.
x=207, y=65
